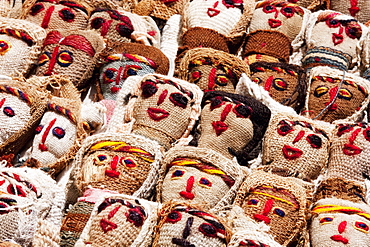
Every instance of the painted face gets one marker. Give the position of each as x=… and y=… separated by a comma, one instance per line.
x=116, y=166
x=279, y=16
x=15, y=113
x=114, y=74
x=55, y=135
x=226, y=13
x=275, y=207
x=112, y=25
x=190, y=227
x=221, y=121
x=70, y=56
x=340, y=101
x=186, y=183
x=54, y=14
x=13, y=184
x=210, y=76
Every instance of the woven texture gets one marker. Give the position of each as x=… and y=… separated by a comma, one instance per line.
x=326, y=56
x=360, y=10
x=159, y=9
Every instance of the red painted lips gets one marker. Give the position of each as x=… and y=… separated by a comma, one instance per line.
x=157, y=114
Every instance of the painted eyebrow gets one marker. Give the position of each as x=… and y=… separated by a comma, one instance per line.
x=79, y=42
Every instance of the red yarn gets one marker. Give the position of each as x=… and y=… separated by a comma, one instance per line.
x=354, y=135
x=113, y=212
x=211, y=79
x=162, y=97
x=47, y=16
x=79, y=42
x=52, y=62
x=353, y=10
x=107, y=225
x=105, y=27
x=45, y=134
x=299, y=136
x=226, y=112
x=342, y=226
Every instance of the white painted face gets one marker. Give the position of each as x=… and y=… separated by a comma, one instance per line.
x=14, y=115
x=54, y=137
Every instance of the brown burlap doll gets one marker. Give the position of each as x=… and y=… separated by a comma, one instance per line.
x=188, y=225
x=232, y=125
x=20, y=46
x=277, y=201
x=198, y=176
x=211, y=69
x=360, y=10
x=333, y=94
x=56, y=14
x=340, y=216
x=295, y=146
x=11, y=9
x=162, y=108
x=70, y=53
x=285, y=83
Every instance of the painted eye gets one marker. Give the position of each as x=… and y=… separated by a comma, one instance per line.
x=216, y=102
x=366, y=133
x=65, y=58
x=97, y=22
x=178, y=99
x=361, y=226
x=279, y=84
x=67, y=14
x=109, y=75
x=148, y=88
x=344, y=129
x=257, y=80
x=58, y=132
x=269, y=9
x=314, y=140
x=332, y=23
x=44, y=58
x=205, y=183
x=208, y=230
x=221, y=80
x=284, y=129
x=177, y=174
x=39, y=129
x=320, y=91
x=131, y=70
x=242, y=111
x=128, y=162
x=287, y=11
x=101, y=159
x=195, y=76
x=174, y=217
x=37, y=8
x=16, y=190
x=4, y=47
x=8, y=111
x=253, y=202
x=279, y=211
x=124, y=30
x=344, y=94
x=326, y=220
x=354, y=31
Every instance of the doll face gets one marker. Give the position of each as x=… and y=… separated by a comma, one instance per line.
x=53, y=14
x=278, y=16
x=209, y=76
x=11, y=183
x=189, y=227
x=275, y=207
x=112, y=25
x=14, y=114
x=341, y=102
x=184, y=183
x=123, y=169
x=114, y=74
x=339, y=229
x=55, y=135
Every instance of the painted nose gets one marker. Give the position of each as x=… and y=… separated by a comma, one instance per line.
x=105, y=28
x=42, y=145
x=52, y=62
x=342, y=226
x=333, y=92
x=47, y=17
x=187, y=194
x=266, y=210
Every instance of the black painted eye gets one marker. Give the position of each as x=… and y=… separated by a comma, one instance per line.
x=344, y=129
x=174, y=217
x=361, y=226
x=125, y=28
x=148, y=88
x=221, y=80
x=332, y=23
x=195, y=76
x=314, y=140
x=287, y=11
x=242, y=111
x=179, y=99
x=67, y=14
x=208, y=230
x=177, y=174
x=354, y=31
x=216, y=102
x=97, y=22
x=8, y=111
x=59, y=132
x=326, y=220
x=44, y=58
x=257, y=80
x=269, y=9
x=65, y=58
x=279, y=84
x=366, y=133
x=320, y=91
x=205, y=182
x=109, y=75
x=253, y=202
x=37, y=8
x=344, y=94
x=279, y=212
x=284, y=129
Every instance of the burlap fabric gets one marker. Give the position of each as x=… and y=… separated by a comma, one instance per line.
x=334, y=94
x=267, y=42
x=295, y=146
x=360, y=10
x=70, y=53
x=285, y=82
x=128, y=5
x=184, y=224
x=23, y=106
x=277, y=201
x=212, y=69
x=21, y=43
x=314, y=5
x=66, y=15
x=215, y=178
x=225, y=116
x=260, y=58
x=11, y=10
x=159, y=9
x=163, y=108
x=120, y=220
x=8, y=244
x=127, y=164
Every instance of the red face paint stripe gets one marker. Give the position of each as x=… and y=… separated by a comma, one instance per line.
x=354, y=135
x=211, y=79
x=47, y=16
x=53, y=37
x=52, y=62
x=268, y=206
x=268, y=83
x=47, y=130
x=162, y=97
x=299, y=136
x=2, y=102
x=190, y=184
x=342, y=226
x=79, y=42
x=226, y=112
x=114, y=162
x=118, y=77
x=105, y=27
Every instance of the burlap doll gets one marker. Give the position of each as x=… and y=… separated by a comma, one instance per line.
x=360, y=10
x=295, y=146
x=277, y=201
x=340, y=216
x=70, y=53
x=333, y=94
x=188, y=225
x=211, y=69
x=20, y=46
x=161, y=108
x=128, y=5
x=285, y=83
x=9, y=243
x=337, y=31
x=11, y=9
x=198, y=176
x=120, y=220
x=226, y=116
x=56, y=14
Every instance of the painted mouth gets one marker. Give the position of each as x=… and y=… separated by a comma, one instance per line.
x=157, y=114
x=337, y=38
x=212, y=12
x=43, y=147
x=274, y=23
x=219, y=127
x=187, y=195
x=339, y=238
x=350, y=149
x=291, y=153
x=261, y=217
